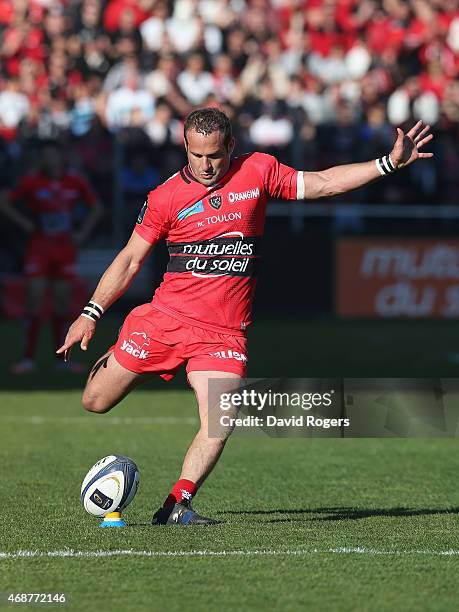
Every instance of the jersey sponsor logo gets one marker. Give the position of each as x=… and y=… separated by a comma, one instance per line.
x=229, y=254
x=238, y=196
x=54, y=222
x=230, y=355
x=232, y=216
x=190, y=210
x=142, y=212
x=135, y=345
x=216, y=201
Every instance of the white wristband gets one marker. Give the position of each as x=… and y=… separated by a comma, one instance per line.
x=385, y=165
x=92, y=311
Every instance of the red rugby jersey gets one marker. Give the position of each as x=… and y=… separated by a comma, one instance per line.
x=214, y=235
x=52, y=201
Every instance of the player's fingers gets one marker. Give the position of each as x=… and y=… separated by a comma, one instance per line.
x=85, y=341
x=422, y=142
x=422, y=133
x=65, y=347
x=414, y=130
x=425, y=155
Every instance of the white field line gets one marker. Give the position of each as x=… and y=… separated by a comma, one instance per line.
x=92, y=420
x=359, y=550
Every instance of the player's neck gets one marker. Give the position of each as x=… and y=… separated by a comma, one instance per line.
x=189, y=171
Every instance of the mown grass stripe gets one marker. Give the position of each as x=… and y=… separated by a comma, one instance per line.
x=88, y=420
x=29, y=554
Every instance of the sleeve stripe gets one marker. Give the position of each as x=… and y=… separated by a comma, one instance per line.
x=299, y=186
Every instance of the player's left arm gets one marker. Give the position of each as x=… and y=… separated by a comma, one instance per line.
x=93, y=217
x=341, y=179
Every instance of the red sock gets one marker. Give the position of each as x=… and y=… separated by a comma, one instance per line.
x=31, y=327
x=182, y=490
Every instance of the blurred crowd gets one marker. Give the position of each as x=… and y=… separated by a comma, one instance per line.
x=316, y=82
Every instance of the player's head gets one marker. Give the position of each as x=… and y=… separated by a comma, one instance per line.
x=209, y=143
x=51, y=158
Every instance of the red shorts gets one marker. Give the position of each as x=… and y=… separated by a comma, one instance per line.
x=51, y=259
x=152, y=341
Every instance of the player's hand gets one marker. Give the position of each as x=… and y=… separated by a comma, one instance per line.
x=82, y=330
x=406, y=147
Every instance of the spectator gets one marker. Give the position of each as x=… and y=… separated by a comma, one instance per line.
x=154, y=29
x=122, y=104
x=125, y=70
x=68, y=66
x=224, y=83
x=184, y=27
x=14, y=107
x=272, y=128
x=194, y=82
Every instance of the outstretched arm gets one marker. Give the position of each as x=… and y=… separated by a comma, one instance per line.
x=340, y=179
x=114, y=282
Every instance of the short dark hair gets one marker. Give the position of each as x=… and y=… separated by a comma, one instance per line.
x=209, y=120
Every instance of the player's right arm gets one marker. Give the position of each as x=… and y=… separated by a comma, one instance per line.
x=113, y=283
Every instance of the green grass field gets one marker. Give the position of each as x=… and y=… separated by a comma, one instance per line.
x=307, y=524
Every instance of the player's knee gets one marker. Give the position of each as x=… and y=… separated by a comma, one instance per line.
x=95, y=403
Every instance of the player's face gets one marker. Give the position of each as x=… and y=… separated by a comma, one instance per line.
x=208, y=157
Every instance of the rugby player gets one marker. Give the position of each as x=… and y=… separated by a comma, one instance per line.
x=50, y=196
x=212, y=214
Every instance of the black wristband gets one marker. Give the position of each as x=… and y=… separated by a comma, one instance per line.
x=385, y=165
x=92, y=311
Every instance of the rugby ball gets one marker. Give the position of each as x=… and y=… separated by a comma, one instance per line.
x=110, y=485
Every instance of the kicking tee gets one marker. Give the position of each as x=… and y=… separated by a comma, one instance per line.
x=214, y=236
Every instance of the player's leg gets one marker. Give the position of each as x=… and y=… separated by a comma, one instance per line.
x=136, y=357
x=108, y=383
x=33, y=320
x=205, y=450
x=36, y=271
x=202, y=454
